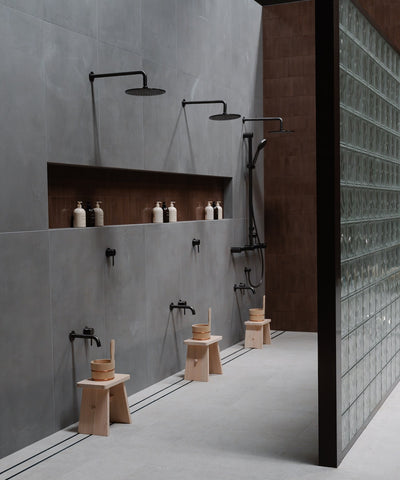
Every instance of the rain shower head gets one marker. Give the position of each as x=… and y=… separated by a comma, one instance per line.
x=225, y=116
x=144, y=91
x=220, y=116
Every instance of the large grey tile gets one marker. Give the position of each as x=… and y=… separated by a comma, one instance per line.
x=159, y=31
x=27, y=399
x=77, y=262
x=161, y=119
x=33, y=7
x=193, y=30
x=75, y=15
x=164, y=279
x=22, y=129
x=120, y=119
x=69, y=109
x=125, y=305
x=120, y=23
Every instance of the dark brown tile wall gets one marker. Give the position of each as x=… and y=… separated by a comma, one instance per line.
x=128, y=197
x=289, y=171
x=385, y=16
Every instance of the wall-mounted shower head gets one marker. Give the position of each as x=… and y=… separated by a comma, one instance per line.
x=143, y=91
x=220, y=116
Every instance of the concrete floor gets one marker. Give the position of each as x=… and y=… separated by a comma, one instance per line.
x=256, y=421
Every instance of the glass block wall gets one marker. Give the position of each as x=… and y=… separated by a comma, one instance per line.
x=370, y=218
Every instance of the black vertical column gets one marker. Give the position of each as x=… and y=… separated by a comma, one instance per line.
x=328, y=230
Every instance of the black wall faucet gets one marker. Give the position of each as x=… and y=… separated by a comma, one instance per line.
x=182, y=305
x=242, y=286
x=111, y=252
x=87, y=334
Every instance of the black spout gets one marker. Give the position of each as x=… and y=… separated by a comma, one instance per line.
x=182, y=304
x=242, y=287
x=87, y=334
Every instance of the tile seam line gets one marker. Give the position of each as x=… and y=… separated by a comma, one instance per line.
x=280, y=332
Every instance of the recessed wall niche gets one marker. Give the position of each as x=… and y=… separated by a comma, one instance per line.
x=128, y=196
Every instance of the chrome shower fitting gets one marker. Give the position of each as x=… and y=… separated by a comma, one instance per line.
x=220, y=116
x=144, y=91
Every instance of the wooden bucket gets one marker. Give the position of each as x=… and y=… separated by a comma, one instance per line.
x=104, y=368
x=256, y=314
x=201, y=331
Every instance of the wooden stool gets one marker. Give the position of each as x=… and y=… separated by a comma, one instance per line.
x=102, y=402
x=202, y=358
x=257, y=334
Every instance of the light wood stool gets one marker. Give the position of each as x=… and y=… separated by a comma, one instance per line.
x=202, y=358
x=102, y=402
x=257, y=334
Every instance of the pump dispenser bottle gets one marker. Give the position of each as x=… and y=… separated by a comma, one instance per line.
x=165, y=213
x=209, y=211
x=98, y=215
x=173, y=214
x=215, y=211
x=157, y=213
x=219, y=210
x=79, y=216
x=90, y=216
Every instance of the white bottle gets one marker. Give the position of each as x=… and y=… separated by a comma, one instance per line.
x=98, y=216
x=158, y=213
x=79, y=216
x=209, y=211
x=173, y=214
x=219, y=209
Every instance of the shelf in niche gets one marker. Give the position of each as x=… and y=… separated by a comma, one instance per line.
x=129, y=196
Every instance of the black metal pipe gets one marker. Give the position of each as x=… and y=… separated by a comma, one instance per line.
x=92, y=75
x=264, y=119
x=197, y=102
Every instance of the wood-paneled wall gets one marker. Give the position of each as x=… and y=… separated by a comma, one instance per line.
x=289, y=166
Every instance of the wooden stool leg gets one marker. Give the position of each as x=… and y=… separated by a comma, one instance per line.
x=197, y=363
x=267, y=334
x=215, y=359
x=119, y=409
x=254, y=336
x=95, y=412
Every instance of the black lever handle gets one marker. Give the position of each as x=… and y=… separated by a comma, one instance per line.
x=111, y=252
x=196, y=243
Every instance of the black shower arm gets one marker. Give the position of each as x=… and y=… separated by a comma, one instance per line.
x=264, y=119
x=184, y=103
x=92, y=76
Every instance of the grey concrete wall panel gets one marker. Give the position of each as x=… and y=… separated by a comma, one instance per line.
x=164, y=284
x=162, y=116
x=27, y=398
x=23, y=185
x=125, y=303
x=76, y=15
x=119, y=117
x=69, y=113
x=192, y=28
x=159, y=31
x=33, y=7
x=120, y=23
x=77, y=262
